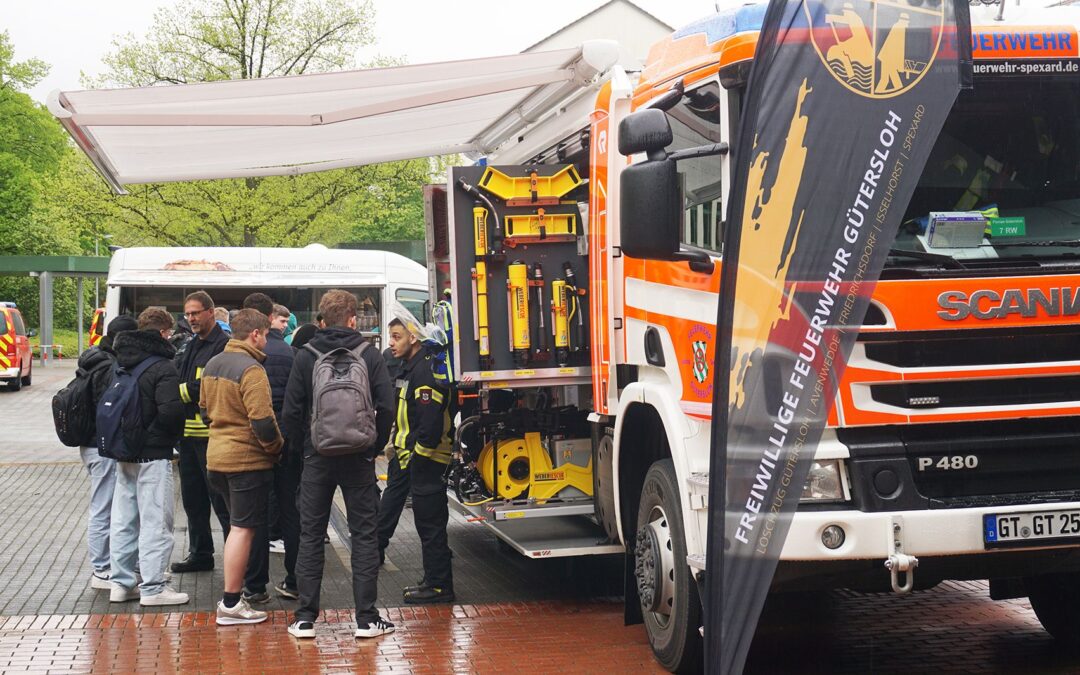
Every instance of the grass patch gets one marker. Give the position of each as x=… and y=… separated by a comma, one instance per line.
x=67, y=339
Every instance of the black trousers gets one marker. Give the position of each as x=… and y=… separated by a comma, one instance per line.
x=355, y=475
x=431, y=512
x=284, y=491
x=283, y=497
x=393, y=501
x=197, y=497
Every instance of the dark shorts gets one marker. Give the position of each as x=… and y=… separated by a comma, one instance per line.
x=246, y=494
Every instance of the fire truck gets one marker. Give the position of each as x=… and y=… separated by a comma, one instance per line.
x=585, y=375
x=948, y=448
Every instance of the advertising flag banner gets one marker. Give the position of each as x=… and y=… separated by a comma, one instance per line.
x=844, y=103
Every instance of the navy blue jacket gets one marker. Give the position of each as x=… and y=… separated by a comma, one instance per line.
x=278, y=365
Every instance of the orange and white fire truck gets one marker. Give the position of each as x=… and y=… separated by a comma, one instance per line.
x=950, y=444
x=585, y=375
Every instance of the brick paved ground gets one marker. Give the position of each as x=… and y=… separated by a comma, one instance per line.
x=514, y=613
x=561, y=637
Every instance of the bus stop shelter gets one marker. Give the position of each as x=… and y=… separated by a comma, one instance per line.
x=46, y=268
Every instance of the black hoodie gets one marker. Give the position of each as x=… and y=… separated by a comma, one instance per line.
x=159, y=390
x=296, y=421
x=93, y=361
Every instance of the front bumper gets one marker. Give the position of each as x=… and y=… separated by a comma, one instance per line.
x=937, y=532
x=9, y=373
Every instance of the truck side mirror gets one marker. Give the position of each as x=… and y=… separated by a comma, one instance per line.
x=650, y=202
x=650, y=210
x=645, y=131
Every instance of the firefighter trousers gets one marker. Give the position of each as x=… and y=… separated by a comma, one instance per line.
x=431, y=512
x=197, y=497
x=393, y=501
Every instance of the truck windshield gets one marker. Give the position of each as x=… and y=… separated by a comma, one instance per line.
x=1011, y=150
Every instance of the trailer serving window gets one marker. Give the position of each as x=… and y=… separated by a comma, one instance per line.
x=1010, y=149
x=303, y=302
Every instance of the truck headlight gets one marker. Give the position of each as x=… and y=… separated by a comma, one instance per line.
x=824, y=483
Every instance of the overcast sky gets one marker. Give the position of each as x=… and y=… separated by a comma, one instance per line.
x=72, y=35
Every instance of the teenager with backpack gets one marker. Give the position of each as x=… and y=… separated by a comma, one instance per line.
x=139, y=420
x=339, y=407
x=74, y=409
x=244, y=447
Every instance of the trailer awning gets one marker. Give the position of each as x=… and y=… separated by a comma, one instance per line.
x=292, y=125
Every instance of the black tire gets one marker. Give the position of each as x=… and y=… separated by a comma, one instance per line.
x=26, y=381
x=673, y=636
x=1056, y=601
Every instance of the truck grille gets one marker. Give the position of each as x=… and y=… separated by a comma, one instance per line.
x=974, y=348
x=981, y=392
x=1015, y=462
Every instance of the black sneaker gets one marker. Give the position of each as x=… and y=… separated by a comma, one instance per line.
x=193, y=564
x=259, y=598
x=302, y=629
x=376, y=628
x=284, y=590
x=429, y=594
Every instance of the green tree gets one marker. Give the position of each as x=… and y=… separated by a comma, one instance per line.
x=205, y=40
x=32, y=148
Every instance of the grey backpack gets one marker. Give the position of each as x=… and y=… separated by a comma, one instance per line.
x=342, y=414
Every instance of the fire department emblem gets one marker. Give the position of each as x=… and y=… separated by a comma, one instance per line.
x=879, y=48
x=701, y=363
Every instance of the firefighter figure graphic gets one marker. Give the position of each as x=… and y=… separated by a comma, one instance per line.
x=872, y=47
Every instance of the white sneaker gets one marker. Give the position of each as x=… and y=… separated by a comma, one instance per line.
x=239, y=613
x=302, y=629
x=277, y=546
x=374, y=629
x=121, y=594
x=100, y=582
x=166, y=597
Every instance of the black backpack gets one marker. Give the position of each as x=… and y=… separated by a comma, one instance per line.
x=74, y=409
x=120, y=429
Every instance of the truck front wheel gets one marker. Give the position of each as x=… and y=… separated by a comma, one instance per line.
x=1056, y=601
x=669, y=596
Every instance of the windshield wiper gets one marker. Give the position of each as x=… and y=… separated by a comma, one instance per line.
x=1070, y=243
x=945, y=260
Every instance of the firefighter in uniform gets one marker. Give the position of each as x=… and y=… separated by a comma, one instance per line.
x=209, y=341
x=422, y=440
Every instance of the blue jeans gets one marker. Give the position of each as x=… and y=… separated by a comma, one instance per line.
x=102, y=472
x=142, y=524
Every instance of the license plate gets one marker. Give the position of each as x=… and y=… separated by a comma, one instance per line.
x=1012, y=529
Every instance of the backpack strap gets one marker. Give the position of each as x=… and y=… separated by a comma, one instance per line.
x=316, y=352
x=359, y=349
x=144, y=365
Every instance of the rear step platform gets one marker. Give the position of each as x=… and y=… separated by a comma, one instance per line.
x=555, y=531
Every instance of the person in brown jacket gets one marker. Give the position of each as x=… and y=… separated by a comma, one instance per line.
x=244, y=446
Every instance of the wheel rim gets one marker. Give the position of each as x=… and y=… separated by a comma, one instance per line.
x=654, y=567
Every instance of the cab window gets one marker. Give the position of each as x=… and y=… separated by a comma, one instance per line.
x=414, y=301
x=20, y=329
x=3, y=323
x=696, y=121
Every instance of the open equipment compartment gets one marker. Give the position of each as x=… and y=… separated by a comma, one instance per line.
x=520, y=275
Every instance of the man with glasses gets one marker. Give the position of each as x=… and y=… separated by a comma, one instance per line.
x=209, y=341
